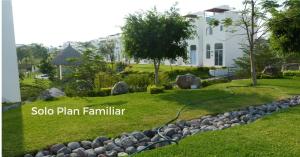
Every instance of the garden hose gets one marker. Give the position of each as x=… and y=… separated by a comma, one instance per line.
x=166, y=139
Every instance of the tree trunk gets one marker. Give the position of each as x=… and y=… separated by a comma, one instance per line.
x=252, y=59
x=156, y=68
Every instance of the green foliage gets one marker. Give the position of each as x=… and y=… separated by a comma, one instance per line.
x=285, y=28
x=167, y=86
x=120, y=66
x=100, y=92
x=202, y=72
x=205, y=83
x=107, y=50
x=138, y=82
x=153, y=89
x=291, y=73
x=263, y=56
x=104, y=80
x=31, y=91
x=156, y=36
x=82, y=77
x=46, y=67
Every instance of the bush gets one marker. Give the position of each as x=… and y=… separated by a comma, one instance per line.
x=120, y=66
x=78, y=88
x=291, y=73
x=32, y=91
x=167, y=86
x=155, y=89
x=104, y=80
x=101, y=92
x=138, y=82
x=202, y=72
x=205, y=83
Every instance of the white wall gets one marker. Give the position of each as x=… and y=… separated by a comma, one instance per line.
x=10, y=75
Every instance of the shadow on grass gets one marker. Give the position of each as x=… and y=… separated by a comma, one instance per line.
x=214, y=100
x=115, y=103
x=12, y=133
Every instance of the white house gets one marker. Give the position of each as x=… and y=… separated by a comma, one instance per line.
x=214, y=46
x=10, y=75
x=211, y=46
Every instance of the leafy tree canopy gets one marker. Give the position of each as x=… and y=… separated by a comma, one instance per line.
x=285, y=27
x=157, y=36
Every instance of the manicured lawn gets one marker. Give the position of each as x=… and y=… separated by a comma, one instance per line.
x=23, y=132
x=150, y=67
x=275, y=135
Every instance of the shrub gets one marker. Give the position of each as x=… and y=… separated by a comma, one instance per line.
x=202, y=72
x=167, y=86
x=205, y=83
x=101, y=92
x=291, y=73
x=138, y=82
x=78, y=88
x=155, y=89
x=104, y=80
x=32, y=91
x=120, y=66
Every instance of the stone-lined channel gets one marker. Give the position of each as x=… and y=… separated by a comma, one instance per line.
x=129, y=143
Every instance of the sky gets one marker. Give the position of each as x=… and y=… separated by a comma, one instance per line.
x=54, y=22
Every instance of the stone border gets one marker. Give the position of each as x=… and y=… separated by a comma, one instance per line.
x=131, y=143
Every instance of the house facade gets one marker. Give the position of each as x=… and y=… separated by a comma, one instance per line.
x=211, y=46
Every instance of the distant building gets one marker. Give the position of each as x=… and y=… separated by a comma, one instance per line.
x=10, y=74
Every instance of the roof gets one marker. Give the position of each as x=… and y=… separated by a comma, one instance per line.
x=219, y=9
x=67, y=54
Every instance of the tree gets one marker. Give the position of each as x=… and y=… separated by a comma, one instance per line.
x=46, y=67
x=285, y=28
x=107, y=48
x=254, y=18
x=156, y=36
x=263, y=55
x=85, y=73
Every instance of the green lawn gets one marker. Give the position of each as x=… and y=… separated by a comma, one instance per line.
x=277, y=135
x=150, y=67
x=24, y=133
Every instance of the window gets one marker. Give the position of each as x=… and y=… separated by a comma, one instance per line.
x=221, y=27
x=208, y=51
x=219, y=54
x=210, y=29
x=193, y=54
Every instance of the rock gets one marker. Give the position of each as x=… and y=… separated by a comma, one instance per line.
x=86, y=144
x=149, y=133
x=60, y=155
x=73, y=145
x=128, y=141
x=187, y=81
x=100, y=150
x=91, y=153
x=119, y=88
x=80, y=152
x=56, y=147
x=139, y=148
x=169, y=132
x=95, y=144
x=186, y=132
x=51, y=93
x=39, y=154
x=101, y=155
x=101, y=140
x=155, y=138
x=122, y=154
x=46, y=152
x=73, y=155
x=111, y=153
x=110, y=146
x=78, y=149
x=28, y=155
x=64, y=150
x=130, y=150
x=181, y=123
x=206, y=122
x=138, y=135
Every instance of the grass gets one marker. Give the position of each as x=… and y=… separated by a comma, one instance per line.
x=25, y=133
x=277, y=135
x=150, y=67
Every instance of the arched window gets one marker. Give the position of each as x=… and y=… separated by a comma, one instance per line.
x=207, y=51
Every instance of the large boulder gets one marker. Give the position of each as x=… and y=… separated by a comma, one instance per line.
x=119, y=88
x=51, y=94
x=188, y=81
